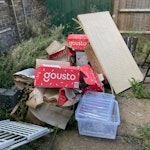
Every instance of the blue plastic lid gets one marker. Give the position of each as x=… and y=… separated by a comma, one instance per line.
x=95, y=105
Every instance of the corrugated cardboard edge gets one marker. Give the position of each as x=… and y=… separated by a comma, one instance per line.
x=51, y=62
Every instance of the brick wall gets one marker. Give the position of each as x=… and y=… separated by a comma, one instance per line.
x=5, y=19
x=7, y=34
x=13, y=17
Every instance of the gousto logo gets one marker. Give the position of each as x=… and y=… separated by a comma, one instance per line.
x=62, y=76
x=72, y=43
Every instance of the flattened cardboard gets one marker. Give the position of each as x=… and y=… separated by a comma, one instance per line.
x=59, y=54
x=24, y=77
x=72, y=101
x=68, y=97
x=53, y=47
x=51, y=96
x=52, y=115
x=51, y=62
x=113, y=55
x=32, y=119
x=35, y=97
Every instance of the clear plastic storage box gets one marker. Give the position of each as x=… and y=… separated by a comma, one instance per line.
x=98, y=116
x=95, y=105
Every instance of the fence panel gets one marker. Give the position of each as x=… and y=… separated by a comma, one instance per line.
x=132, y=16
x=62, y=11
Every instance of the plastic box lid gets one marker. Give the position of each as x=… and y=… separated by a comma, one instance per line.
x=95, y=105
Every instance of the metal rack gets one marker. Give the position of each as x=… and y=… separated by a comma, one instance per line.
x=146, y=63
x=14, y=134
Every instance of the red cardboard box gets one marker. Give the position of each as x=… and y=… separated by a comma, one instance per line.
x=90, y=77
x=55, y=76
x=59, y=54
x=77, y=41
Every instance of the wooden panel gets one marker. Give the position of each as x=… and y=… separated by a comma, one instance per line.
x=134, y=21
x=115, y=10
x=113, y=54
x=132, y=16
x=134, y=10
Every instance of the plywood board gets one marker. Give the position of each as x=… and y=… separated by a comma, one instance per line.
x=110, y=49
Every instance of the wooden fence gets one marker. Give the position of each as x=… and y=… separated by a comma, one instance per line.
x=132, y=16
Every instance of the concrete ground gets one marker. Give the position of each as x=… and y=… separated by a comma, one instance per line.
x=71, y=140
x=134, y=113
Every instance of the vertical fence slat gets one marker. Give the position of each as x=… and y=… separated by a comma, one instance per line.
x=133, y=16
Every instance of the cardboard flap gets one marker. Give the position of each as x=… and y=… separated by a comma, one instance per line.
x=24, y=77
x=53, y=47
x=91, y=77
x=35, y=97
x=51, y=62
x=54, y=116
x=51, y=96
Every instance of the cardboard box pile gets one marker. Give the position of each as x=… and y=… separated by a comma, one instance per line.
x=59, y=81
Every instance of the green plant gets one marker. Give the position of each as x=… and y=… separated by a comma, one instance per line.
x=93, y=8
x=33, y=145
x=4, y=112
x=1, y=45
x=121, y=95
x=56, y=32
x=22, y=110
x=79, y=27
x=145, y=131
x=136, y=140
x=23, y=56
x=72, y=121
x=145, y=136
x=35, y=28
x=138, y=89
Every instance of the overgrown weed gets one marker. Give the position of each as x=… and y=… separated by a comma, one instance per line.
x=138, y=89
x=24, y=55
x=145, y=136
x=4, y=112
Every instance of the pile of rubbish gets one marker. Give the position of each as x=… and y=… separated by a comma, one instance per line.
x=74, y=73
x=57, y=83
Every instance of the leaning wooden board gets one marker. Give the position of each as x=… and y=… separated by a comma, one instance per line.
x=110, y=49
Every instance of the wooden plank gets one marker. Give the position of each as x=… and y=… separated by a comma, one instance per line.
x=134, y=22
x=115, y=10
x=126, y=21
x=113, y=54
x=134, y=10
x=122, y=3
x=136, y=32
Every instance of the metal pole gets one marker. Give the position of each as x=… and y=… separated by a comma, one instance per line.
x=24, y=11
x=16, y=19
